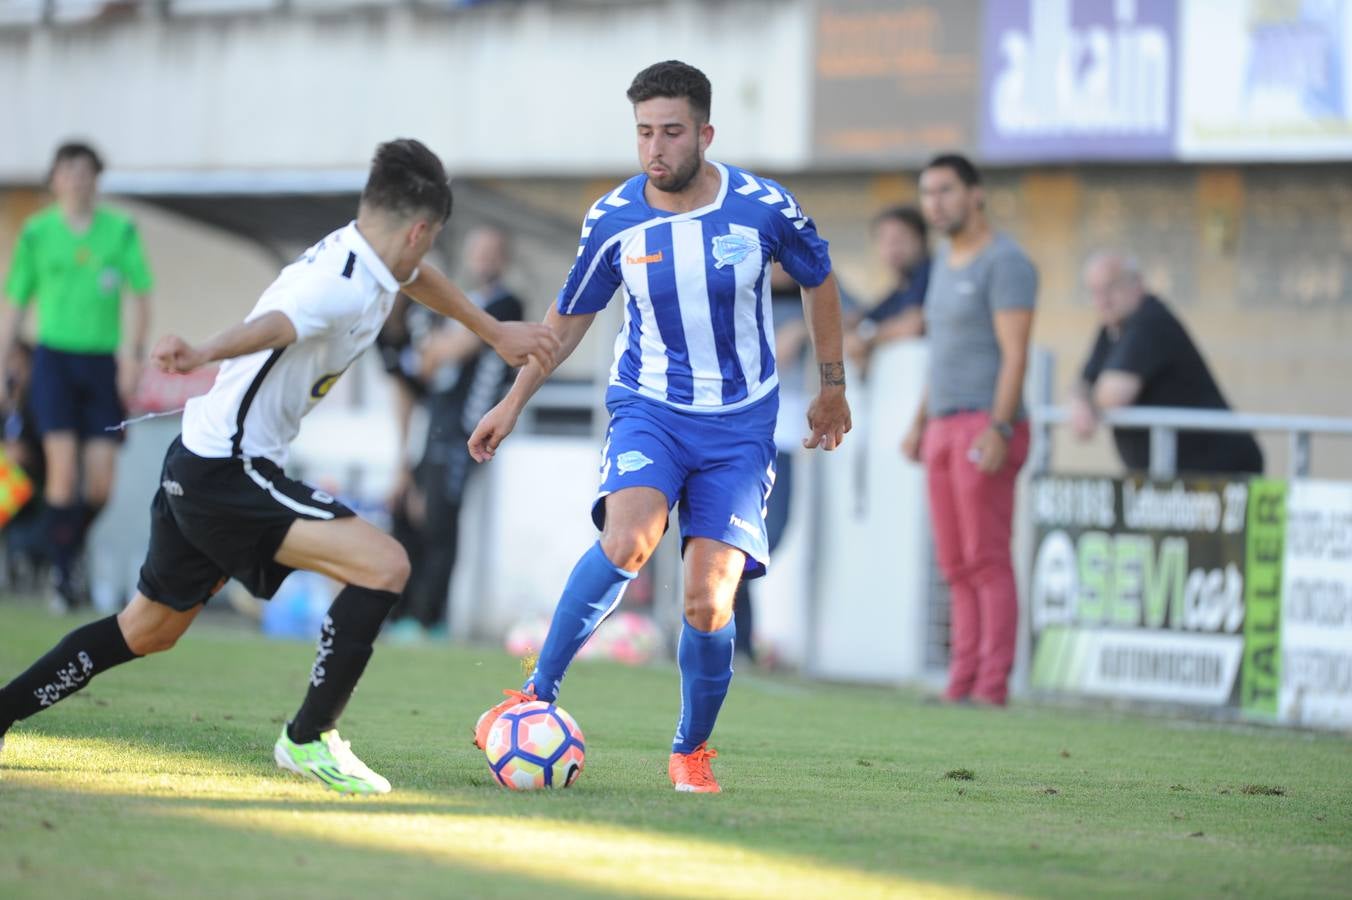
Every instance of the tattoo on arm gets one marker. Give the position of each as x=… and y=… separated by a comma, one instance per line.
x=833, y=373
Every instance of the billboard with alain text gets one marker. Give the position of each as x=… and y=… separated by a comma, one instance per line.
x=1031, y=81
x=1090, y=79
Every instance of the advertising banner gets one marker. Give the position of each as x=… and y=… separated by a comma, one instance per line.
x=894, y=80
x=1205, y=592
x=1083, y=80
x=1266, y=81
x=1138, y=588
x=1316, y=606
x=1265, y=543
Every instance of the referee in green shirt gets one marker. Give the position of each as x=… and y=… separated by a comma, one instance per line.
x=74, y=260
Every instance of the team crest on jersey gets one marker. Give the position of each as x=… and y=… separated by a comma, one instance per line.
x=730, y=249
x=631, y=461
x=324, y=385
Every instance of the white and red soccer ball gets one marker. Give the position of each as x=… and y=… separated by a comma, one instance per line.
x=535, y=745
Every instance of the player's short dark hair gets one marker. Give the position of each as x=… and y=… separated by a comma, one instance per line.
x=675, y=79
x=906, y=215
x=407, y=178
x=77, y=150
x=959, y=165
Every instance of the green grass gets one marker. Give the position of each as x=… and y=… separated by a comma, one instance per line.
x=158, y=781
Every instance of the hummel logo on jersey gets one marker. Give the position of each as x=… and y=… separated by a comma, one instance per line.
x=730, y=249
x=631, y=461
x=738, y=522
x=172, y=488
x=644, y=260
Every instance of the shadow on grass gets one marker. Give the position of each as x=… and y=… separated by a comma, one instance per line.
x=181, y=849
x=204, y=799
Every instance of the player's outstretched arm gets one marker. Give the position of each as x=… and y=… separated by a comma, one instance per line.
x=828, y=416
x=267, y=332
x=499, y=421
x=515, y=342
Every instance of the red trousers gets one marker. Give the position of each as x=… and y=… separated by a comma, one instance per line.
x=972, y=515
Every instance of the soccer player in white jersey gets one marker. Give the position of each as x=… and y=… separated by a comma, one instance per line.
x=692, y=394
x=226, y=509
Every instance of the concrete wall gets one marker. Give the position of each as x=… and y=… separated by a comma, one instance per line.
x=507, y=88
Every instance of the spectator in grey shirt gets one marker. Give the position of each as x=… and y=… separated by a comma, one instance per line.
x=970, y=430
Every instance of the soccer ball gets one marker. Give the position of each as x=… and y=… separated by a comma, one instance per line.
x=535, y=745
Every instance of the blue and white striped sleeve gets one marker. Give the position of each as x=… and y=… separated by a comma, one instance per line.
x=595, y=274
x=804, y=254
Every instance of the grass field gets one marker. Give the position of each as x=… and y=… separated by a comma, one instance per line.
x=158, y=781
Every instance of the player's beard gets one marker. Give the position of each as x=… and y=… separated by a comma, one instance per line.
x=678, y=180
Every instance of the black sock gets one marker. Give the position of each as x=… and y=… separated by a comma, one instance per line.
x=65, y=528
x=66, y=668
x=345, y=642
x=89, y=512
x=742, y=615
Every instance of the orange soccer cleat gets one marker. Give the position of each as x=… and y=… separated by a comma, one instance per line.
x=485, y=723
x=691, y=772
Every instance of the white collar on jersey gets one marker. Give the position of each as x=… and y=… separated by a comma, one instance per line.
x=667, y=216
x=369, y=258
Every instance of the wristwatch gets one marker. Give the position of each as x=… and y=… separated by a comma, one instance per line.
x=1004, y=429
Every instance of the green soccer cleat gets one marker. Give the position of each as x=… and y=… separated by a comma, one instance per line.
x=329, y=760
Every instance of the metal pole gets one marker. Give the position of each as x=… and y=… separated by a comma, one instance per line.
x=1163, y=452
x=1039, y=392
x=1299, y=463
x=1042, y=448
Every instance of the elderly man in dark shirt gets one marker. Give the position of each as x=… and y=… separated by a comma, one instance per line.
x=1144, y=357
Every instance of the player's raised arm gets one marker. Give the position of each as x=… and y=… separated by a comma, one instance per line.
x=499, y=421
x=828, y=416
x=266, y=332
x=515, y=342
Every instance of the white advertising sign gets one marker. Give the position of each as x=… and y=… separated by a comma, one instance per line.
x=1264, y=80
x=1316, y=669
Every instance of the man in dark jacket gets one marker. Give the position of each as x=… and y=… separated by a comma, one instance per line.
x=1144, y=357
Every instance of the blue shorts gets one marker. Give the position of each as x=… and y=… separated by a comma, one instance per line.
x=718, y=467
x=76, y=392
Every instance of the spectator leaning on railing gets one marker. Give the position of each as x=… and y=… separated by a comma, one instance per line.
x=1144, y=357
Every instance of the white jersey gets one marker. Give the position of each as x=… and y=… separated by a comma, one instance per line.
x=337, y=296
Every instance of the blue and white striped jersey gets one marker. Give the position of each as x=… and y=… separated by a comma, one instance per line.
x=698, y=333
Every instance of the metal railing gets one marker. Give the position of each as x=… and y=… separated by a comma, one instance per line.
x=1165, y=422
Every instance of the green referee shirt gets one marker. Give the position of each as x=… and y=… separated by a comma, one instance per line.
x=77, y=279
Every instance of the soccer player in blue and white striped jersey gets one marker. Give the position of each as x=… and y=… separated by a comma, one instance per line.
x=693, y=393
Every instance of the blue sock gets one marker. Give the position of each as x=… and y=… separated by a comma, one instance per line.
x=592, y=593
x=705, y=658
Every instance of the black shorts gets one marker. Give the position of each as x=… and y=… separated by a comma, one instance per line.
x=215, y=519
x=76, y=392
